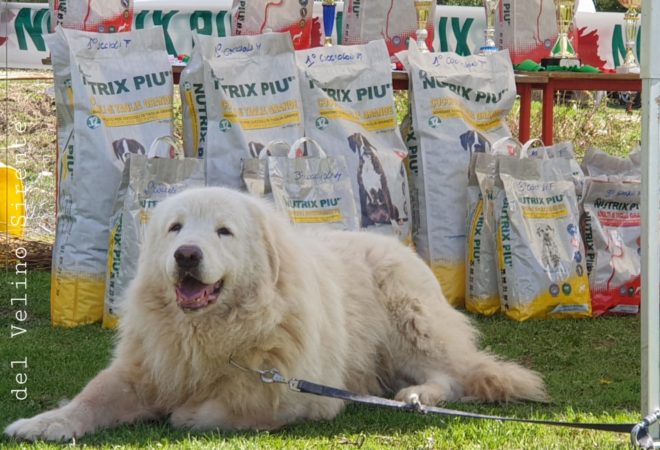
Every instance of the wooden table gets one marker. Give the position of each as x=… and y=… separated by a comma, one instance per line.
x=551, y=82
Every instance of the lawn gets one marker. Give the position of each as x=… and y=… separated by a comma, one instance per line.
x=591, y=366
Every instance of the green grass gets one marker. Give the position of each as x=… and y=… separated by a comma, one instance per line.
x=591, y=366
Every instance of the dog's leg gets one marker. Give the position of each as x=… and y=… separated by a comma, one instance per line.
x=434, y=346
x=213, y=414
x=108, y=400
x=435, y=387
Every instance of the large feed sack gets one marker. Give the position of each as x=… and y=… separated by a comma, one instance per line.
x=252, y=98
x=122, y=97
x=396, y=22
x=541, y=255
x=349, y=110
x=262, y=16
x=481, y=289
x=459, y=107
x=612, y=235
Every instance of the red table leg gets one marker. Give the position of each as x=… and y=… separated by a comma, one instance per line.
x=548, y=113
x=524, y=123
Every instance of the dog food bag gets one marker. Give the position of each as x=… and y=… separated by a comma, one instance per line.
x=102, y=16
x=412, y=170
x=562, y=150
x=145, y=182
x=598, y=163
x=253, y=97
x=481, y=290
x=349, y=110
x=313, y=190
x=194, y=116
x=59, y=51
x=459, y=105
x=540, y=250
x=122, y=93
x=612, y=233
x=395, y=22
x=262, y=16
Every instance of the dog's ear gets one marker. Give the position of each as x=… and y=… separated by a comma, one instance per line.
x=269, y=234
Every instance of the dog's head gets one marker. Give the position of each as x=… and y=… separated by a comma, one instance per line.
x=125, y=147
x=208, y=247
x=255, y=149
x=473, y=142
x=545, y=232
x=360, y=145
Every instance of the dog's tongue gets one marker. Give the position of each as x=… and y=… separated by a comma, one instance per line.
x=193, y=294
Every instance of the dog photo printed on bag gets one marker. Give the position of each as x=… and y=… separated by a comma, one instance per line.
x=349, y=110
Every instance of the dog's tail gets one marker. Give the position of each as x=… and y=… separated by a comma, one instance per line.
x=493, y=380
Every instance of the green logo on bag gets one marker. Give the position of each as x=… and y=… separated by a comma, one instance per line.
x=225, y=125
x=93, y=122
x=434, y=121
x=322, y=122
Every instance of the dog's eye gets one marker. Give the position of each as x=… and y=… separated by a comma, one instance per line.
x=175, y=227
x=224, y=231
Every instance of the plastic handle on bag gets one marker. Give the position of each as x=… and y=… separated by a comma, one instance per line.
x=524, y=152
x=151, y=153
x=296, y=145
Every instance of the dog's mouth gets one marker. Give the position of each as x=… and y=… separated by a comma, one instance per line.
x=192, y=294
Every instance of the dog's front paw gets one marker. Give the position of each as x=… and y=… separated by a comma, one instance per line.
x=49, y=426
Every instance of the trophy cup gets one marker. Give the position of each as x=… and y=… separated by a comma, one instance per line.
x=329, y=8
x=563, y=54
x=489, y=34
x=422, y=8
x=630, y=29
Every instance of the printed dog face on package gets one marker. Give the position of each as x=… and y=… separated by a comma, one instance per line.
x=473, y=142
x=125, y=147
x=375, y=199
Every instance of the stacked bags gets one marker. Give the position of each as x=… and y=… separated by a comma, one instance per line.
x=106, y=112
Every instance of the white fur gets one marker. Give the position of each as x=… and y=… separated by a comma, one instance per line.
x=352, y=310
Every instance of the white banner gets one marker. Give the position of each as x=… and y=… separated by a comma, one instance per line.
x=458, y=29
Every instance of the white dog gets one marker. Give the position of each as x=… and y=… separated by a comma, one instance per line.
x=221, y=275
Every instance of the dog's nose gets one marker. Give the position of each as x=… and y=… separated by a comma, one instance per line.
x=188, y=256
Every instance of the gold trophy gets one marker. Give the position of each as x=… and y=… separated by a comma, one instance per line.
x=563, y=53
x=489, y=34
x=630, y=28
x=422, y=9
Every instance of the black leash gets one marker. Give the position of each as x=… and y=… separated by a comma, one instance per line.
x=326, y=391
x=639, y=433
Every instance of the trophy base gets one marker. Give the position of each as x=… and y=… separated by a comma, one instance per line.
x=487, y=50
x=627, y=69
x=561, y=62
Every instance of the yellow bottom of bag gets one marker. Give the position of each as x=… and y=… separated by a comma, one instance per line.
x=76, y=299
x=452, y=281
x=486, y=306
x=575, y=304
x=110, y=321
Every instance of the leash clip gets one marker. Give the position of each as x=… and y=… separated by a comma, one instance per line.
x=271, y=376
x=640, y=437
